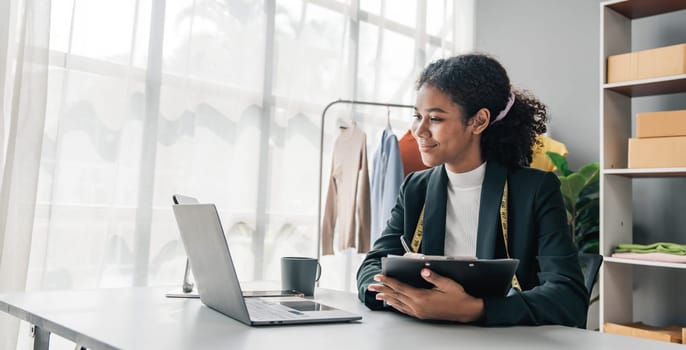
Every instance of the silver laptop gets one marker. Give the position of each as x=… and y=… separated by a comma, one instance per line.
x=217, y=282
x=187, y=285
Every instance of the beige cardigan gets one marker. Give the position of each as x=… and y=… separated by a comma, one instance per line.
x=347, y=199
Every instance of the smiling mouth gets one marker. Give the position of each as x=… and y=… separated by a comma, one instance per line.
x=425, y=148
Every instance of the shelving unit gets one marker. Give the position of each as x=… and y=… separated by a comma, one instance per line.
x=647, y=87
x=644, y=263
x=647, y=172
x=617, y=284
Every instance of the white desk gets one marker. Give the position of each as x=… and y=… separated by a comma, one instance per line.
x=142, y=318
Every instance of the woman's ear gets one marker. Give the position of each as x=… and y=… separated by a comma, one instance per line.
x=481, y=120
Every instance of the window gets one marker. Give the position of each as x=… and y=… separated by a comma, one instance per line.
x=206, y=98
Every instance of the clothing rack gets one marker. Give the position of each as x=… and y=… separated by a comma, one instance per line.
x=321, y=156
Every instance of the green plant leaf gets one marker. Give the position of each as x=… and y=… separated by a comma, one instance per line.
x=567, y=196
x=590, y=247
x=591, y=190
x=586, y=230
x=591, y=172
x=572, y=186
x=560, y=162
x=588, y=208
x=580, y=192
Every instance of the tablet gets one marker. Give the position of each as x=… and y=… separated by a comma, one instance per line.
x=479, y=277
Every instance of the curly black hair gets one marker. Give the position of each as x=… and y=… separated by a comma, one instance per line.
x=475, y=81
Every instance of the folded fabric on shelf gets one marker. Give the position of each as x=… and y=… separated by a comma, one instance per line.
x=659, y=247
x=661, y=257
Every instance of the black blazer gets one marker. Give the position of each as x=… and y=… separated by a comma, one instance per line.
x=538, y=234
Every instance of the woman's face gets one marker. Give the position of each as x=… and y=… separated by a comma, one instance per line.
x=442, y=136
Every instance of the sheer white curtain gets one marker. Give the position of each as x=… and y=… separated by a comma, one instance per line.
x=23, y=80
x=217, y=99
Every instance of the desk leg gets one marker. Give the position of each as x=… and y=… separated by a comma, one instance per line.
x=41, y=338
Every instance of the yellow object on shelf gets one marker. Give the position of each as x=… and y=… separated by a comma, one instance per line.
x=546, y=144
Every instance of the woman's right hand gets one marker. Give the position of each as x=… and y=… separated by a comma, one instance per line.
x=447, y=300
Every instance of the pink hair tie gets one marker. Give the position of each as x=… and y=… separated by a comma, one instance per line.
x=503, y=113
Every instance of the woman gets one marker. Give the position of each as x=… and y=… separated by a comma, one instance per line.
x=477, y=134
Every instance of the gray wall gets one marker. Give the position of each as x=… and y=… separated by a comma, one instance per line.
x=550, y=48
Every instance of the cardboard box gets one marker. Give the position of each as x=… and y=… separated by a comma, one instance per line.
x=671, y=334
x=661, y=62
x=622, y=67
x=657, y=152
x=661, y=124
x=646, y=64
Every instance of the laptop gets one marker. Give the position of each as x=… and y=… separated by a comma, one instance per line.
x=187, y=285
x=218, y=285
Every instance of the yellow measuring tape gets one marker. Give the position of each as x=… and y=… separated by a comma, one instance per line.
x=503, y=224
x=417, y=237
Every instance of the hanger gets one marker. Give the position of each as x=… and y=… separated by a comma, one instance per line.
x=342, y=123
x=345, y=123
x=388, y=116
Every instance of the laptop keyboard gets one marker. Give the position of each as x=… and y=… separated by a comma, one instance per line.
x=261, y=310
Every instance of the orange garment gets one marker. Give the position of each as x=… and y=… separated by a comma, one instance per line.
x=409, y=153
x=540, y=159
x=348, y=199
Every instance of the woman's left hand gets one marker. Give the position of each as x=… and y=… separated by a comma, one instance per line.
x=446, y=301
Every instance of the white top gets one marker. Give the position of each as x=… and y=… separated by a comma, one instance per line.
x=462, y=211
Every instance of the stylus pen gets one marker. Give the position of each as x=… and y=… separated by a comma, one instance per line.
x=405, y=246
